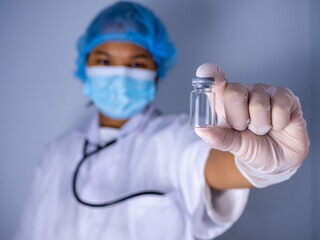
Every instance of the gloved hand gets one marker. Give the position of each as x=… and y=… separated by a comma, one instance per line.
x=261, y=125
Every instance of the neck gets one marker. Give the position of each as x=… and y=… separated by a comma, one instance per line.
x=111, y=122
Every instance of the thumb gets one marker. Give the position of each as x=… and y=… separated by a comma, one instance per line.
x=221, y=138
x=213, y=70
x=220, y=85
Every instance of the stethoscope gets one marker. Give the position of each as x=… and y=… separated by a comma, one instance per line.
x=109, y=203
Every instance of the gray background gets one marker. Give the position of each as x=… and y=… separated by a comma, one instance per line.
x=270, y=41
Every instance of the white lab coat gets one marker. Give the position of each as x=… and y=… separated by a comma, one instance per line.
x=154, y=152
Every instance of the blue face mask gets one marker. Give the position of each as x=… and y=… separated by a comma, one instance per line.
x=120, y=92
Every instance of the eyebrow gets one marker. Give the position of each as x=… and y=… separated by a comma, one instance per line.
x=139, y=55
x=102, y=53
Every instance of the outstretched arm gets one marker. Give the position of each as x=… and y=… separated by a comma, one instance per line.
x=222, y=173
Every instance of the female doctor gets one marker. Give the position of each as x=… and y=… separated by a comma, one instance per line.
x=132, y=173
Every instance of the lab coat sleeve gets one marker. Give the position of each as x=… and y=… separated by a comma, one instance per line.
x=31, y=221
x=212, y=212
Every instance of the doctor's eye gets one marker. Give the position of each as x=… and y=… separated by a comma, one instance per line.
x=103, y=62
x=137, y=65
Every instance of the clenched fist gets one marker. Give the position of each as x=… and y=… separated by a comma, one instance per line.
x=261, y=125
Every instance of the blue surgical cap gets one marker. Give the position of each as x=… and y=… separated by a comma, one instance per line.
x=128, y=21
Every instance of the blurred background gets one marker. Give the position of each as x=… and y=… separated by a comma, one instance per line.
x=269, y=41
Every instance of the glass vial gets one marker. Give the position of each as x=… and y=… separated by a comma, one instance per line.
x=202, y=103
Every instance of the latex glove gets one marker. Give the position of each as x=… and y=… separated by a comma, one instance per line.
x=261, y=125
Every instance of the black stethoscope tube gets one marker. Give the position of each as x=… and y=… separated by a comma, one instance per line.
x=109, y=203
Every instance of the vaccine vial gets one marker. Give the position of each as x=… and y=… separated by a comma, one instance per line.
x=202, y=103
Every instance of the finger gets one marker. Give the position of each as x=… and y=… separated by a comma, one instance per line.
x=213, y=70
x=281, y=106
x=236, y=105
x=221, y=138
x=259, y=110
x=221, y=82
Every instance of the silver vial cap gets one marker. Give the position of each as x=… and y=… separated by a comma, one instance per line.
x=203, y=81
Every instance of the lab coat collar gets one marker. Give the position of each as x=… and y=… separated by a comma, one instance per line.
x=90, y=130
